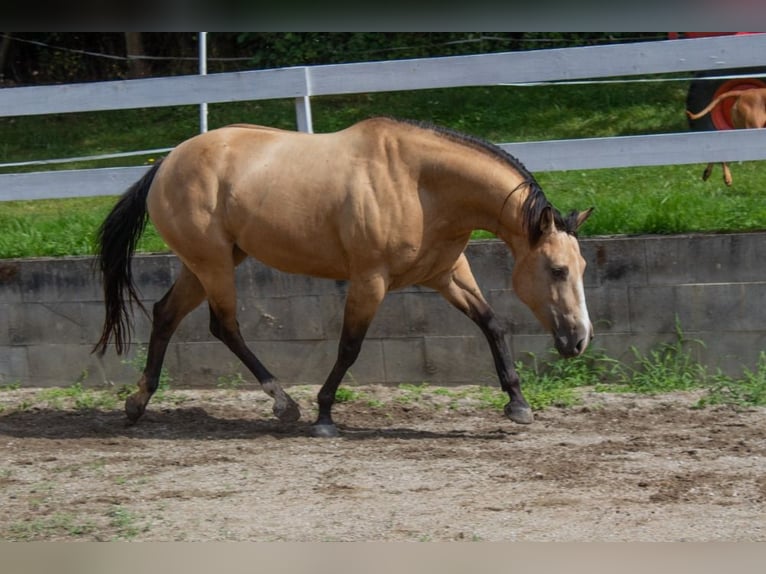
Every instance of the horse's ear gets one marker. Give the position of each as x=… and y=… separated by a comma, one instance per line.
x=547, y=221
x=582, y=217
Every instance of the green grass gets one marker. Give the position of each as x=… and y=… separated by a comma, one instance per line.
x=123, y=521
x=233, y=381
x=498, y=113
x=749, y=389
x=555, y=382
x=346, y=394
x=58, y=227
x=122, y=524
x=666, y=199
x=79, y=397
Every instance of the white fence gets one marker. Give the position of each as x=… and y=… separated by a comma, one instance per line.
x=509, y=68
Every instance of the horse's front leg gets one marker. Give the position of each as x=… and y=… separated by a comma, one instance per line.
x=459, y=287
x=517, y=409
x=362, y=302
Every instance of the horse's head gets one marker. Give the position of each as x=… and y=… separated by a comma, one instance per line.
x=549, y=280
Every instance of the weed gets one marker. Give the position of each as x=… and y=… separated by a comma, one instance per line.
x=58, y=524
x=124, y=391
x=345, y=394
x=588, y=369
x=666, y=368
x=490, y=397
x=748, y=390
x=233, y=382
x=374, y=403
x=138, y=361
x=14, y=386
x=545, y=392
x=411, y=393
x=24, y=405
x=123, y=520
x=555, y=382
x=80, y=397
x=98, y=465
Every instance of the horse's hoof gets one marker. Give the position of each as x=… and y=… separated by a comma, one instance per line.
x=134, y=408
x=521, y=414
x=324, y=431
x=288, y=413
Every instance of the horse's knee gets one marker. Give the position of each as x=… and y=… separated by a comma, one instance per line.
x=220, y=331
x=348, y=351
x=215, y=327
x=163, y=320
x=159, y=315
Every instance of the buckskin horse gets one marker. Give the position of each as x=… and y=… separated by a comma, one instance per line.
x=382, y=204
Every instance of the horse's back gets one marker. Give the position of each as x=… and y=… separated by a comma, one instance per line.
x=279, y=195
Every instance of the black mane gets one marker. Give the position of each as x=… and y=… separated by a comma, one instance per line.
x=535, y=203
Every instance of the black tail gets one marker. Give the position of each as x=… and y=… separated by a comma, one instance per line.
x=117, y=238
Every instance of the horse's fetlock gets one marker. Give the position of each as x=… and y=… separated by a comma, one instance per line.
x=150, y=384
x=134, y=407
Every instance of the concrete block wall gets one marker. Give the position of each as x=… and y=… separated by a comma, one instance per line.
x=51, y=314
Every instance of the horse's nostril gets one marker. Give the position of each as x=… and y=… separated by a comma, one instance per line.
x=581, y=344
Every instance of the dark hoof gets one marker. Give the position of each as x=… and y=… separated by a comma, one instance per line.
x=288, y=414
x=134, y=408
x=521, y=414
x=324, y=431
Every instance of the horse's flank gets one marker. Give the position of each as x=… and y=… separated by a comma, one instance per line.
x=381, y=194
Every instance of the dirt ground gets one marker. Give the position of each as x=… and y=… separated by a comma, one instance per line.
x=216, y=465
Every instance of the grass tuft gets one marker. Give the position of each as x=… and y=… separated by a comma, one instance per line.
x=749, y=390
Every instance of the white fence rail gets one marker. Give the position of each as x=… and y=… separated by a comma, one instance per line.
x=301, y=83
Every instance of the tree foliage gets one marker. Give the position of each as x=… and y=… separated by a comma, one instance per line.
x=62, y=57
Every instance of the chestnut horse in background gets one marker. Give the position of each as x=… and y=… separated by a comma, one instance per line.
x=382, y=204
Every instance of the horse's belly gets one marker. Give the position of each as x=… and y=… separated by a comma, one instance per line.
x=286, y=254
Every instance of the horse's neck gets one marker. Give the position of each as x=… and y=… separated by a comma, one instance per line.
x=484, y=191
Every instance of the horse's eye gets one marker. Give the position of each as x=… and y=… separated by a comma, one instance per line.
x=559, y=273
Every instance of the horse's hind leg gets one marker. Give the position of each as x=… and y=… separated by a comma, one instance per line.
x=185, y=295
x=727, y=179
x=362, y=302
x=221, y=293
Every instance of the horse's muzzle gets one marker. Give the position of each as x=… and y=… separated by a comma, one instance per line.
x=572, y=343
